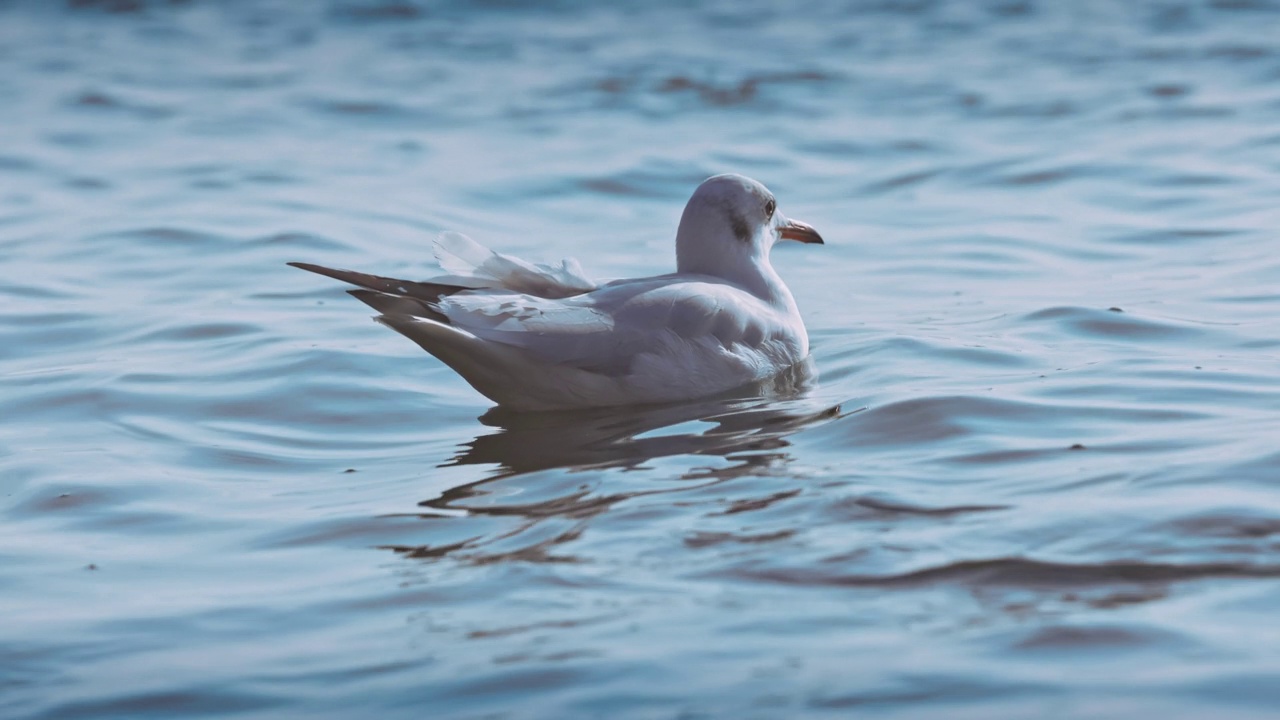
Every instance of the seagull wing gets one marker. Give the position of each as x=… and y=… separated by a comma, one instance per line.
x=472, y=265
x=606, y=331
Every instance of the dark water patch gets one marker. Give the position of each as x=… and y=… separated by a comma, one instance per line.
x=300, y=241
x=663, y=95
x=238, y=461
x=1229, y=524
x=881, y=506
x=382, y=531
x=118, y=7
x=271, y=178
x=1031, y=173
x=1264, y=470
x=192, y=702
x=434, y=551
x=17, y=163
x=28, y=291
x=368, y=671
x=991, y=458
x=1044, y=110
x=1043, y=177
x=99, y=508
x=140, y=522
x=1015, y=572
x=714, y=539
x=917, y=690
x=1175, y=236
x=66, y=498
x=747, y=90
x=1094, y=639
x=200, y=332
x=1012, y=8
x=1103, y=324
x=945, y=420
x=354, y=112
x=867, y=149
x=1167, y=91
x=392, y=11
x=100, y=101
x=539, y=544
x=201, y=169
x=1239, y=53
x=77, y=140
x=900, y=181
x=87, y=183
x=164, y=237
x=576, y=504
x=1178, y=180
x=1265, y=6
x=358, y=107
x=1179, y=112
x=501, y=686
x=759, y=503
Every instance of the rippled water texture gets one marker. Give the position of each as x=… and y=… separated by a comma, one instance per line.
x=1037, y=474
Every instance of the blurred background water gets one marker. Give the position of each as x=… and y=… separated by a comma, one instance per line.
x=1038, y=473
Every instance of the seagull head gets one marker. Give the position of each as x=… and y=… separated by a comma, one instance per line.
x=729, y=226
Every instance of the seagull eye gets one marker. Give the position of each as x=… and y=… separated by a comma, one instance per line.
x=769, y=207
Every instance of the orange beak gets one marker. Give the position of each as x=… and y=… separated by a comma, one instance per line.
x=802, y=232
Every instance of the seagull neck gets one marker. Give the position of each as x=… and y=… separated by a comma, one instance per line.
x=752, y=273
x=766, y=284
x=747, y=267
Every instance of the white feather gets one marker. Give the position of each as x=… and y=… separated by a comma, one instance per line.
x=470, y=264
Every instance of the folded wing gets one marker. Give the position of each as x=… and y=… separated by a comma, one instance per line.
x=608, y=330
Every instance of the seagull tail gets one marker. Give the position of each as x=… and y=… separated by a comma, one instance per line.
x=429, y=292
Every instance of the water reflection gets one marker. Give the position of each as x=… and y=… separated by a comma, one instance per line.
x=756, y=417
x=537, y=512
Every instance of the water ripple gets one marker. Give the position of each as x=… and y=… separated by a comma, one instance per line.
x=1031, y=467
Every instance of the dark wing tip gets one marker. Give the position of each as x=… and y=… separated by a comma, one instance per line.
x=426, y=291
x=398, y=305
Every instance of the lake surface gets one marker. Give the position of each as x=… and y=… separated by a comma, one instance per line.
x=1036, y=472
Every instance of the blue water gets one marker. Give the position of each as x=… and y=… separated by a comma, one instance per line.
x=1037, y=473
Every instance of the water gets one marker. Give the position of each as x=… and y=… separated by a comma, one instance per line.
x=1037, y=474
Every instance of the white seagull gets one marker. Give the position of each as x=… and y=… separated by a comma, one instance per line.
x=539, y=337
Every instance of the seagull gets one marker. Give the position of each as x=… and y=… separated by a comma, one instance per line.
x=533, y=337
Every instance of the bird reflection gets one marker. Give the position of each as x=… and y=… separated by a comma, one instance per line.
x=756, y=418
x=749, y=427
